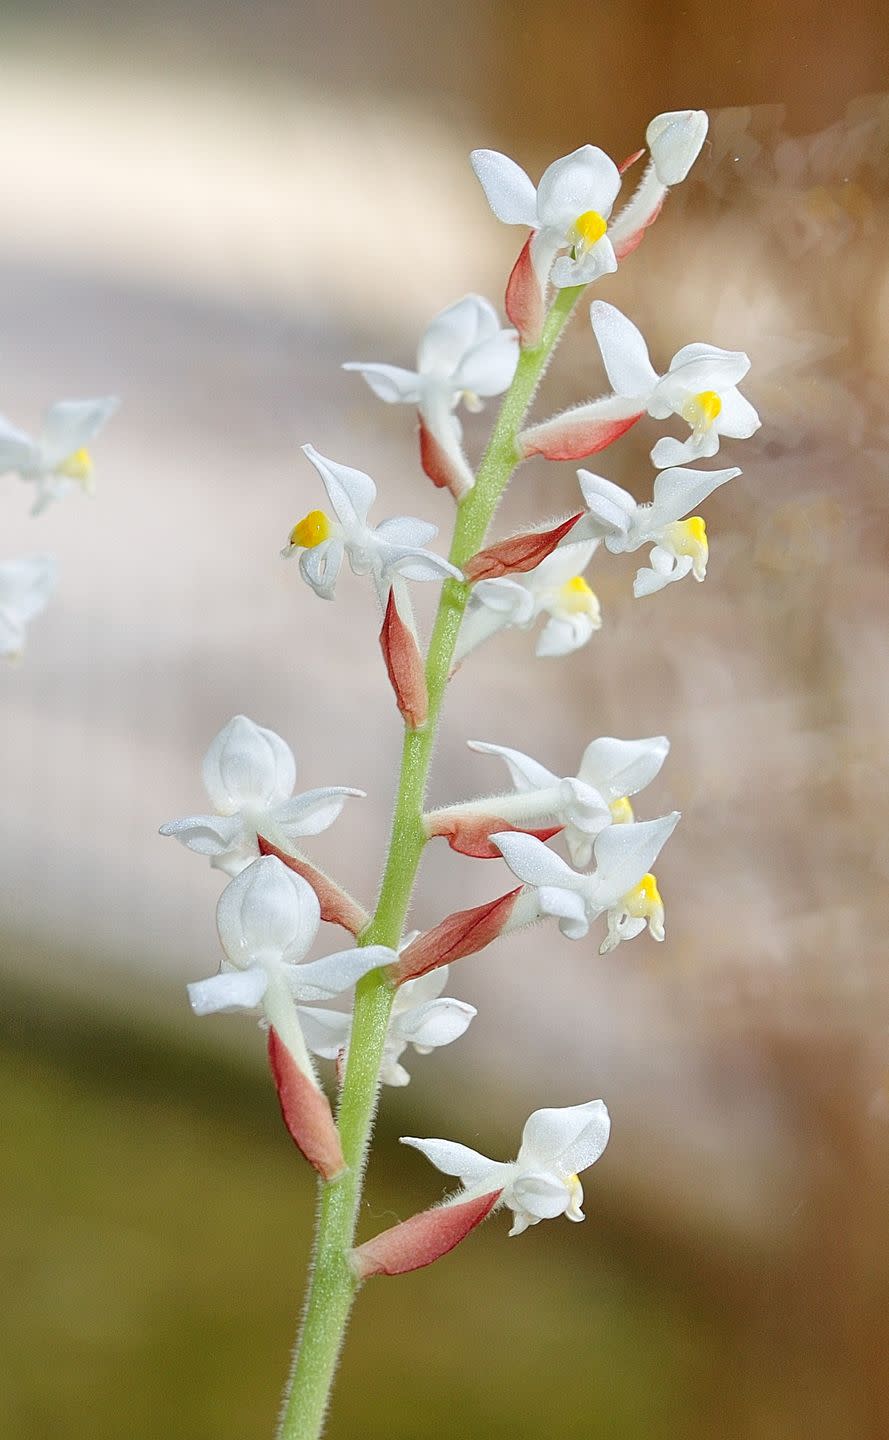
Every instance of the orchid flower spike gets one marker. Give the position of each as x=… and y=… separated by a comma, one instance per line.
x=25, y=588
x=543, y=1181
x=584, y=804
x=555, y=587
x=700, y=387
x=680, y=546
x=465, y=356
x=58, y=461
x=249, y=774
x=393, y=547
x=421, y=1017
x=622, y=884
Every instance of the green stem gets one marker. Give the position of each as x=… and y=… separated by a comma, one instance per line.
x=333, y=1285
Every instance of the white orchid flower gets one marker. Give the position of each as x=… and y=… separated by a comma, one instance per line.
x=555, y=587
x=700, y=386
x=25, y=588
x=421, y=1017
x=584, y=804
x=58, y=461
x=621, y=884
x=569, y=209
x=393, y=547
x=680, y=545
x=464, y=356
x=543, y=1181
x=249, y=774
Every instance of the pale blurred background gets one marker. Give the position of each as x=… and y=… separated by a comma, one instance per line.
x=207, y=207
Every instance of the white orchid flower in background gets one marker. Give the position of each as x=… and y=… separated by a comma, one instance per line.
x=621, y=884
x=249, y=774
x=25, y=589
x=464, y=356
x=58, y=461
x=584, y=804
x=700, y=386
x=421, y=1017
x=674, y=141
x=680, y=545
x=543, y=1181
x=394, y=547
x=555, y=587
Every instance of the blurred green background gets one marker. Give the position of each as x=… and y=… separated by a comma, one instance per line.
x=208, y=207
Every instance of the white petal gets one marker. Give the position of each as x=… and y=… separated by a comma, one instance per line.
x=418, y=564
x=320, y=566
x=455, y=332
x=533, y=862
x=313, y=811
x=703, y=367
x=405, y=530
x=582, y=805
x=207, y=834
x=17, y=450
x=562, y=565
x=508, y=190
x=599, y=260
x=267, y=913
x=390, y=382
x=247, y=767
x=622, y=767
x=526, y=773
x=544, y=1196
x=426, y=987
x=351, y=492
x=571, y=1137
x=675, y=139
x=453, y=1159
x=26, y=585
x=489, y=368
x=71, y=424
x=669, y=452
x=563, y=634
x=737, y=419
x=678, y=492
x=624, y=351
x=438, y=1022
x=230, y=990
x=322, y=979
x=326, y=1032
x=506, y=597
x=568, y=907
x=624, y=853
x=665, y=569
x=584, y=180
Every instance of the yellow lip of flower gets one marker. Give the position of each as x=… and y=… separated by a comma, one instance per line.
x=312, y=530
x=689, y=537
x=621, y=811
x=575, y=1190
x=587, y=231
x=644, y=902
x=701, y=411
x=77, y=466
x=576, y=598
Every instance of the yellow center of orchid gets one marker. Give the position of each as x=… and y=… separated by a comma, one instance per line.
x=644, y=902
x=621, y=811
x=77, y=466
x=589, y=229
x=701, y=410
x=689, y=537
x=576, y=598
x=575, y=1190
x=312, y=530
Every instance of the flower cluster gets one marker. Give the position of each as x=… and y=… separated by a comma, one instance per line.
x=54, y=464
x=269, y=913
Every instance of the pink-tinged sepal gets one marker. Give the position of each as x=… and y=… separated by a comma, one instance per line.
x=404, y=665
x=625, y=165
x=306, y=1111
x=470, y=834
x=518, y=553
x=422, y=1239
x=633, y=239
x=585, y=430
x=337, y=906
x=442, y=468
x=460, y=934
x=524, y=302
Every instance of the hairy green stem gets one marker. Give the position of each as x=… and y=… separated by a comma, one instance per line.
x=333, y=1285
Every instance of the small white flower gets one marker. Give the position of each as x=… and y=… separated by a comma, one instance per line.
x=393, y=547
x=610, y=772
x=621, y=884
x=556, y=587
x=420, y=1017
x=569, y=209
x=25, y=588
x=267, y=918
x=58, y=461
x=680, y=545
x=249, y=774
x=465, y=356
x=700, y=386
x=543, y=1181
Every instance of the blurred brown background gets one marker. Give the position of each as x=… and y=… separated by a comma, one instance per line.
x=208, y=208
